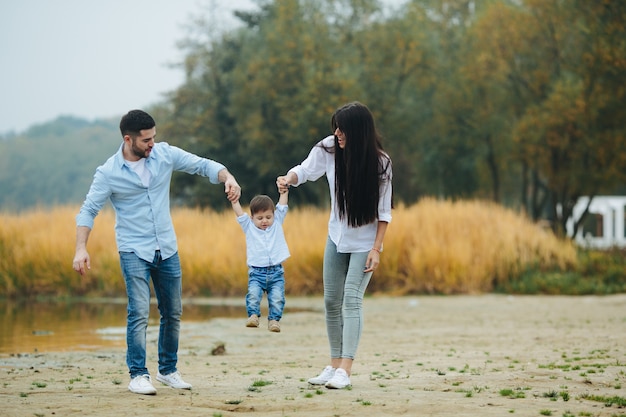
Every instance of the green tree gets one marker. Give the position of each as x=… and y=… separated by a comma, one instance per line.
x=449, y=155
x=546, y=57
x=392, y=58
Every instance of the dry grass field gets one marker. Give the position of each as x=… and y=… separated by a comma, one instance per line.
x=433, y=247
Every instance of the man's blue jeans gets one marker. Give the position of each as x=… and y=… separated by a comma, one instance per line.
x=270, y=279
x=167, y=281
x=344, y=287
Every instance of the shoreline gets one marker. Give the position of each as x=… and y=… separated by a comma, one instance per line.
x=483, y=355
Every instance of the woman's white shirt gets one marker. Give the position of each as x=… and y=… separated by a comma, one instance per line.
x=347, y=239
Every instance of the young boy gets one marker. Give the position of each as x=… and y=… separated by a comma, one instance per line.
x=266, y=250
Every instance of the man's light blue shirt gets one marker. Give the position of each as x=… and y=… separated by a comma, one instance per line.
x=265, y=247
x=143, y=222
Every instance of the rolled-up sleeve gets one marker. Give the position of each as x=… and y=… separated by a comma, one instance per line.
x=315, y=164
x=97, y=196
x=384, y=202
x=194, y=164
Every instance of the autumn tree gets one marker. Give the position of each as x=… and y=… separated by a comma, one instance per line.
x=545, y=55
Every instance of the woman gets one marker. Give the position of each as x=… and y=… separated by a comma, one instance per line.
x=359, y=177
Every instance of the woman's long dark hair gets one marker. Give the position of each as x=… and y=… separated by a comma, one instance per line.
x=360, y=166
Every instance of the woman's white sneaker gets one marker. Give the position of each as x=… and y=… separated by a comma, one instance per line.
x=324, y=377
x=174, y=380
x=340, y=380
x=142, y=385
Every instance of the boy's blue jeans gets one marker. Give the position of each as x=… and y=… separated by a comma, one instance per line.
x=269, y=279
x=166, y=277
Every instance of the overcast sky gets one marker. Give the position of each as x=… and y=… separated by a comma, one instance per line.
x=92, y=58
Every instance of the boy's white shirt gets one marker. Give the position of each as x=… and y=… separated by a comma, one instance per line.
x=265, y=247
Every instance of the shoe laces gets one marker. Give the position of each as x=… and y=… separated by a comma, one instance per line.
x=142, y=379
x=175, y=376
x=328, y=371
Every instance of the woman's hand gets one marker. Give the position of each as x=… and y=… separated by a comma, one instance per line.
x=282, y=183
x=373, y=260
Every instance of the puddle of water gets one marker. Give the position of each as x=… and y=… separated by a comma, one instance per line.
x=55, y=326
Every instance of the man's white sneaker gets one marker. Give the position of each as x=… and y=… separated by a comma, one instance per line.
x=174, y=380
x=142, y=385
x=324, y=377
x=340, y=380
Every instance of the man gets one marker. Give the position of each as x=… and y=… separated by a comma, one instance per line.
x=136, y=180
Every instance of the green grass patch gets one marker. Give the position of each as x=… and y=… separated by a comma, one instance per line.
x=607, y=401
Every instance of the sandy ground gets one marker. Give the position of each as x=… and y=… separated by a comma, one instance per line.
x=486, y=355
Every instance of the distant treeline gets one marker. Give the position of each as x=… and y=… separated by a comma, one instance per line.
x=53, y=163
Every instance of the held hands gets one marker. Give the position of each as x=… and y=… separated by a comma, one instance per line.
x=282, y=184
x=232, y=189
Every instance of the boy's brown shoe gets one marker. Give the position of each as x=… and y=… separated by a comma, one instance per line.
x=253, y=321
x=273, y=326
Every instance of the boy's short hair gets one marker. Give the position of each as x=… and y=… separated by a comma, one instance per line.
x=261, y=203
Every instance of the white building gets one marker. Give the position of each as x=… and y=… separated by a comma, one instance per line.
x=604, y=226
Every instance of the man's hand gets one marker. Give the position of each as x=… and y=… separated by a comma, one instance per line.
x=232, y=188
x=81, y=263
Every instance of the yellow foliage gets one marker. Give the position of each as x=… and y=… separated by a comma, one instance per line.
x=432, y=247
x=463, y=247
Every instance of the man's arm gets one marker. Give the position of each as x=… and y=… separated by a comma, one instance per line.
x=231, y=187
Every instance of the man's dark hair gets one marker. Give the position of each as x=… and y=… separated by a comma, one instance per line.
x=134, y=122
x=261, y=203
